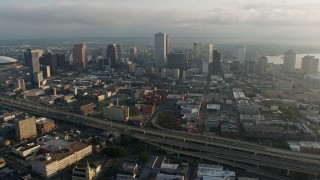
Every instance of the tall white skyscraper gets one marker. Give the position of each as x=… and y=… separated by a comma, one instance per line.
x=210, y=53
x=160, y=49
x=289, y=61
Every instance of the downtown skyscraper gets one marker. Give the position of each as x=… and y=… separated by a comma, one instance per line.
x=197, y=51
x=210, y=53
x=262, y=65
x=216, y=62
x=112, y=55
x=161, y=48
x=50, y=59
x=80, y=56
x=31, y=58
x=289, y=61
x=309, y=65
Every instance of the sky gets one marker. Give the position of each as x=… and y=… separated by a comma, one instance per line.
x=229, y=19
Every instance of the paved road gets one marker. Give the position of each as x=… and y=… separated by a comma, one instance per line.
x=192, y=139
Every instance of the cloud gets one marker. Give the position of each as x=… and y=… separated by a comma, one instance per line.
x=56, y=18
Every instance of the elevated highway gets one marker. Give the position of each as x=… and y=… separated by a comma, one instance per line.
x=202, y=146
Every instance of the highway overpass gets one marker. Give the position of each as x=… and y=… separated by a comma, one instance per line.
x=202, y=146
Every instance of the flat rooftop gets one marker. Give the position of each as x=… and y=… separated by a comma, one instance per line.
x=55, y=145
x=65, y=152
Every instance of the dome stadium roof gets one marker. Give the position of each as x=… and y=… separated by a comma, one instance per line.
x=7, y=60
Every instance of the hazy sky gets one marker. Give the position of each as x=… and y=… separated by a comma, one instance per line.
x=239, y=19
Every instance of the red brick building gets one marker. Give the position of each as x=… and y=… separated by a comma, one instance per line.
x=170, y=119
x=44, y=125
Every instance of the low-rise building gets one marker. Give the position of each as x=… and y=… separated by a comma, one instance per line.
x=89, y=172
x=162, y=176
x=33, y=92
x=25, y=128
x=7, y=130
x=283, y=84
x=172, y=99
x=247, y=107
x=86, y=109
x=170, y=119
x=7, y=117
x=207, y=171
x=44, y=125
x=251, y=118
x=25, y=149
x=145, y=107
x=230, y=130
x=49, y=164
x=117, y=113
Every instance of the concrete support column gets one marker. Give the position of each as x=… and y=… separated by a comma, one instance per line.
x=258, y=166
x=288, y=172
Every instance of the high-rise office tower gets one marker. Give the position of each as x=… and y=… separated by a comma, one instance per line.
x=289, y=61
x=133, y=54
x=61, y=60
x=177, y=60
x=160, y=49
x=80, y=56
x=241, y=54
x=32, y=59
x=50, y=59
x=252, y=56
x=216, y=62
x=167, y=44
x=235, y=66
x=31, y=56
x=205, y=67
x=309, y=65
x=250, y=67
x=225, y=67
x=263, y=65
x=119, y=50
x=112, y=55
x=197, y=53
x=210, y=53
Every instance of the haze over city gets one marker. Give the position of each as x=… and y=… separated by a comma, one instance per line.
x=159, y=89
x=242, y=20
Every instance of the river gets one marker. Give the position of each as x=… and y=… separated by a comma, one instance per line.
x=279, y=59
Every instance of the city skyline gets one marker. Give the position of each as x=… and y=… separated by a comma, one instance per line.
x=237, y=19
